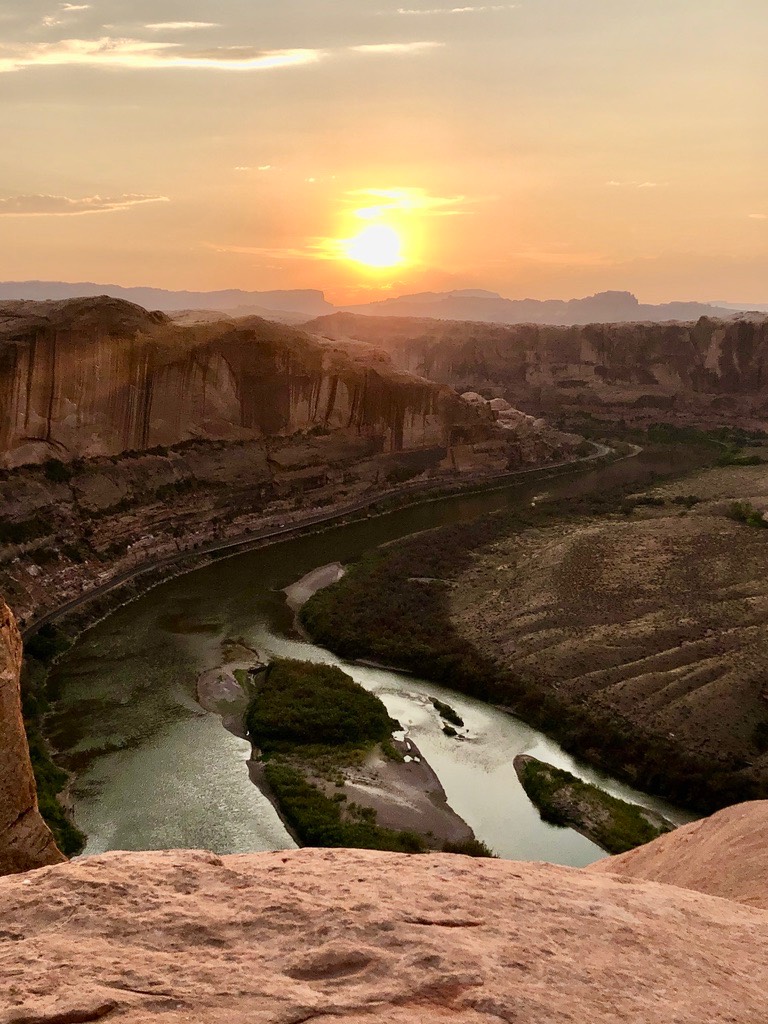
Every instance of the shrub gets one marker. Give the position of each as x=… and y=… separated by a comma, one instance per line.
x=317, y=819
x=469, y=847
x=300, y=703
x=57, y=471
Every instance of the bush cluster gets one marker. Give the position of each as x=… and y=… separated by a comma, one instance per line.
x=317, y=819
x=301, y=703
x=623, y=827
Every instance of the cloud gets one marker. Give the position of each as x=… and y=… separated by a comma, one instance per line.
x=143, y=55
x=63, y=206
x=419, y=47
x=406, y=200
x=758, y=216
x=181, y=26
x=51, y=20
x=138, y=54
x=637, y=184
x=457, y=10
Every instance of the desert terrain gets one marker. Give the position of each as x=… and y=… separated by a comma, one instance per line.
x=657, y=617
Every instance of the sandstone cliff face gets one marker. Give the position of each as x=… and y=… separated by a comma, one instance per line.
x=89, y=377
x=711, y=371
x=361, y=937
x=25, y=841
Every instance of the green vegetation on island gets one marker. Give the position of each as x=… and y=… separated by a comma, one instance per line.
x=309, y=722
x=448, y=713
x=562, y=799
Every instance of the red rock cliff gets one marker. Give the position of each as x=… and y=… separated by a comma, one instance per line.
x=89, y=377
x=711, y=371
x=25, y=841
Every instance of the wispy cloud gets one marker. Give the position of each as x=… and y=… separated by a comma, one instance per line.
x=63, y=206
x=51, y=20
x=637, y=184
x=472, y=9
x=758, y=216
x=180, y=26
x=143, y=55
x=405, y=200
x=138, y=54
x=418, y=47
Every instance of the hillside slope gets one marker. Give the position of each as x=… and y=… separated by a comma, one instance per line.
x=724, y=855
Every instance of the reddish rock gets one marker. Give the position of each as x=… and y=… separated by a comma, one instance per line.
x=358, y=936
x=725, y=855
x=25, y=840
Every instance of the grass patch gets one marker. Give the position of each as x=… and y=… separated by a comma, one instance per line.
x=318, y=820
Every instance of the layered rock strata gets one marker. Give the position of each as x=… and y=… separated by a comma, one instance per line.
x=705, y=372
x=128, y=439
x=25, y=840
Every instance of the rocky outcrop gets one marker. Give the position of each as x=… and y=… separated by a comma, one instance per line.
x=92, y=377
x=361, y=937
x=724, y=855
x=705, y=372
x=25, y=841
x=489, y=307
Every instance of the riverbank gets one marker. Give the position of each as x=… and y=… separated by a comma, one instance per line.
x=50, y=599
x=184, y=615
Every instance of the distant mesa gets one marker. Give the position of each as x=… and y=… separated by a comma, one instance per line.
x=231, y=300
x=489, y=307
x=296, y=306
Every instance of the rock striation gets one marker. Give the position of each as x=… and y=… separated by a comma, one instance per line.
x=706, y=371
x=94, y=377
x=25, y=840
x=361, y=937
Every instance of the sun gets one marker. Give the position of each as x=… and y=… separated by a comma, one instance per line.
x=378, y=246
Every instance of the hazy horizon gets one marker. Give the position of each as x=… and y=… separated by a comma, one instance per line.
x=545, y=150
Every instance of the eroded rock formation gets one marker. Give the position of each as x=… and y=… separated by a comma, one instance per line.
x=707, y=372
x=25, y=840
x=724, y=855
x=90, y=377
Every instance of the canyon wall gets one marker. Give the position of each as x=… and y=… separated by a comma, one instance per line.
x=708, y=372
x=90, y=377
x=25, y=841
x=127, y=439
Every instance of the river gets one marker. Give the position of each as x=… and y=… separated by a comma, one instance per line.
x=155, y=771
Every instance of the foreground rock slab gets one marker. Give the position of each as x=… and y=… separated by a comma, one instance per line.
x=358, y=936
x=725, y=855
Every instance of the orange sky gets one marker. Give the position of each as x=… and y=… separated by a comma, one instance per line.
x=549, y=148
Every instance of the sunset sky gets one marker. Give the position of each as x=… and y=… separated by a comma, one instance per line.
x=546, y=148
